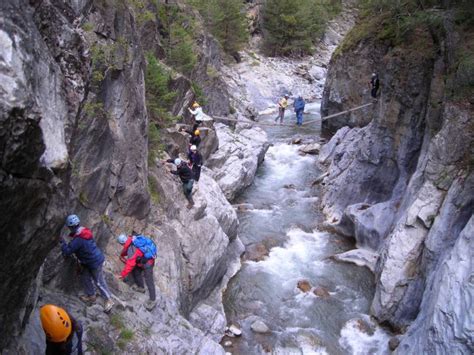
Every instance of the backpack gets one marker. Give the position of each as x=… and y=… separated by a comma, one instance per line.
x=146, y=246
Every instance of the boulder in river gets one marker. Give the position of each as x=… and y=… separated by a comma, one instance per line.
x=256, y=252
x=259, y=327
x=312, y=148
x=321, y=292
x=304, y=285
x=297, y=141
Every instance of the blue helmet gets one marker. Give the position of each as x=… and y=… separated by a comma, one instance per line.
x=72, y=220
x=122, y=238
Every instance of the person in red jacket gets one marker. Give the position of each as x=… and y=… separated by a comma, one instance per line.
x=135, y=263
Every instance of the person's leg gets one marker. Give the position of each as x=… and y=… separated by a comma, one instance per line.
x=373, y=93
x=87, y=282
x=138, y=277
x=187, y=189
x=99, y=280
x=150, y=282
x=197, y=172
x=282, y=115
x=299, y=118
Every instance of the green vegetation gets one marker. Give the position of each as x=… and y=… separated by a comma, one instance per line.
x=153, y=189
x=226, y=20
x=180, y=53
x=291, y=27
x=88, y=27
x=116, y=320
x=155, y=147
x=178, y=31
x=199, y=92
x=393, y=21
x=159, y=96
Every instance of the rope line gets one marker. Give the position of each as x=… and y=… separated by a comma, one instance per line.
x=291, y=125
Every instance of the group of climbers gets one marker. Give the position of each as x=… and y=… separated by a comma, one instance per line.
x=189, y=171
x=298, y=106
x=63, y=332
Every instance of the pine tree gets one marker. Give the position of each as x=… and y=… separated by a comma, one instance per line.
x=291, y=27
x=226, y=21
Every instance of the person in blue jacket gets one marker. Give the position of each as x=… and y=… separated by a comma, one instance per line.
x=91, y=260
x=299, y=109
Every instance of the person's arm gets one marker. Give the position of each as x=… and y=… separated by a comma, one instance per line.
x=129, y=265
x=193, y=112
x=69, y=248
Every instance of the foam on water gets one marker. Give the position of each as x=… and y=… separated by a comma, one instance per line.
x=358, y=341
x=301, y=249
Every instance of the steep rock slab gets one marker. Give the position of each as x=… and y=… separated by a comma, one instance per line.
x=33, y=159
x=235, y=163
x=444, y=327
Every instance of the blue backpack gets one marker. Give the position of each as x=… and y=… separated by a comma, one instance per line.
x=146, y=246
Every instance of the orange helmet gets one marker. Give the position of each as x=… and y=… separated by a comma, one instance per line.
x=195, y=104
x=56, y=323
x=197, y=132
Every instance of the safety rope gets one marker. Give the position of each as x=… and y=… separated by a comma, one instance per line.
x=291, y=125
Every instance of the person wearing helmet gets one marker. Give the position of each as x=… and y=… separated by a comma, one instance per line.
x=138, y=266
x=63, y=332
x=91, y=260
x=298, y=105
x=195, y=159
x=196, y=111
x=195, y=136
x=186, y=176
x=282, y=105
x=374, y=85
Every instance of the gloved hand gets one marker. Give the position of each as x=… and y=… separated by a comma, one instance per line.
x=122, y=259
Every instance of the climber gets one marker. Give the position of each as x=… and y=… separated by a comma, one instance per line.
x=186, y=176
x=298, y=105
x=195, y=136
x=139, y=264
x=91, y=260
x=282, y=104
x=197, y=113
x=63, y=332
x=374, y=85
x=195, y=159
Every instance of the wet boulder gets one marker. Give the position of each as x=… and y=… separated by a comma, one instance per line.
x=321, y=292
x=256, y=252
x=259, y=327
x=304, y=285
x=312, y=148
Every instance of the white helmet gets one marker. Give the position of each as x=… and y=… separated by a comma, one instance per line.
x=177, y=161
x=193, y=148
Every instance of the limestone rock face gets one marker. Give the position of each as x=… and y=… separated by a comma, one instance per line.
x=398, y=180
x=235, y=163
x=74, y=139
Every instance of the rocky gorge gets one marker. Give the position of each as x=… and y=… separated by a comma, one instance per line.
x=75, y=131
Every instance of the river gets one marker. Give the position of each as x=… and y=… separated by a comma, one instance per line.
x=281, y=214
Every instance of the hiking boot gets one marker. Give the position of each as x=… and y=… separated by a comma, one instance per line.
x=87, y=299
x=138, y=289
x=150, y=305
x=108, y=305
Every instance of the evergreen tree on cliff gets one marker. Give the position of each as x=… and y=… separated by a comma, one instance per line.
x=290, y=27
x=226, y=21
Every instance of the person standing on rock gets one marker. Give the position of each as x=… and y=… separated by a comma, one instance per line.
x=63, y=332
x=198, y=114
x=186, y=176
x=91, y=260
x=195, y=159
x=139, y=264
x=298, y=105
x=282, y=105
x=374, y=85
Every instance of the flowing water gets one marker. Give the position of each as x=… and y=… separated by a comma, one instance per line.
x=281, y=215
